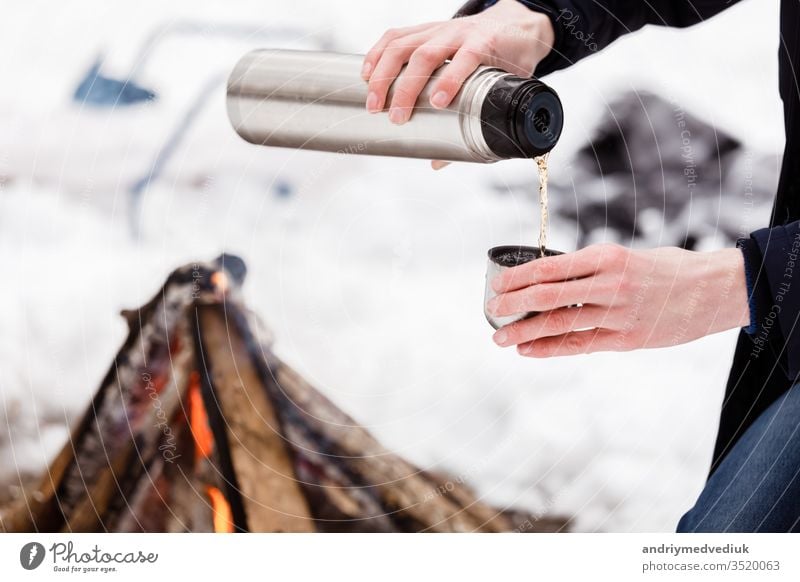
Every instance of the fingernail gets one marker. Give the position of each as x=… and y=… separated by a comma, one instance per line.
x=396, y=116
x=492, y=306
x=497, y=284
x=500, y=337
x=525, y=350
x=366, y=70
x=440, y=99
x=372, y=102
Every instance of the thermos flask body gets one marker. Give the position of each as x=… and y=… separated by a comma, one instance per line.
x=316, y=100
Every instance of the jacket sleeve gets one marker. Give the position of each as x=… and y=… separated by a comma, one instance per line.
x=583, y=27
x=772, y=269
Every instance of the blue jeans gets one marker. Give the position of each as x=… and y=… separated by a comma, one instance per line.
x=756, y=488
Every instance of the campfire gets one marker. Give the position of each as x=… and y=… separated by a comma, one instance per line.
x=199, y=427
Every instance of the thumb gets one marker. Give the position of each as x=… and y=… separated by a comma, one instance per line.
x=439, y=164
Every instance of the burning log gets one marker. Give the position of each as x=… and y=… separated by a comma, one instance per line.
x=198, y=426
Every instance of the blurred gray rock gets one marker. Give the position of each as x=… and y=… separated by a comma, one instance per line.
x=654, y=174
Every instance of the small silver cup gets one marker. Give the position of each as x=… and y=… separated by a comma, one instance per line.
x=501, y=259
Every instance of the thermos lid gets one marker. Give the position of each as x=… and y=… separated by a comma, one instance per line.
x=521, y=118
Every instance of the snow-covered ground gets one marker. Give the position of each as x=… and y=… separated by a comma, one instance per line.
x=370, y=271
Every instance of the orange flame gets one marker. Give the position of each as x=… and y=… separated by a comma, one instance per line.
x=223, y=517
x=198, y=420
x=204, y=447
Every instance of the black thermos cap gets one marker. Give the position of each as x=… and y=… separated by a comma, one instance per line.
x=521, y=118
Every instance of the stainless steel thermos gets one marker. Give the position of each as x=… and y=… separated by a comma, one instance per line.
x=316, y=100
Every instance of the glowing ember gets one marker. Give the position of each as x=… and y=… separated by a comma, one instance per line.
x=223, y=518
x=220, y=281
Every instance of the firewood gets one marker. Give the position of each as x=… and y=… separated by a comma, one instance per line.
x=261, y=459
x=260, y=449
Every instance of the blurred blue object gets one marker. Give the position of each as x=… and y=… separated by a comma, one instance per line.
x=97, y=90
x=282, y=188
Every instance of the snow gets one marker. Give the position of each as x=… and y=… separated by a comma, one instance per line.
x=370, y=271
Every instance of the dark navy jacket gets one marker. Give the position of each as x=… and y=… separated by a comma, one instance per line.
x=767, y=358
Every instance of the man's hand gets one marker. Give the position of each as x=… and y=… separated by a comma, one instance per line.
x=507, y=35
x=628, y=299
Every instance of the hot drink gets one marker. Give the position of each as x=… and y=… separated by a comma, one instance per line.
x=541, y=165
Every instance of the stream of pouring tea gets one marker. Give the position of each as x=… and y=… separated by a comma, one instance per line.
x=541, y=164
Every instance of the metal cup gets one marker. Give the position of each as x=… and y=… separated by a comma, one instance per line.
x=501, y=259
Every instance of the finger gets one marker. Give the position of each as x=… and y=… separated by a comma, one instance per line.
x=423, y=62
x=439, y=164
x=552, y=323
x=464, y=63
x=392, y=59
x=572, y=343
x=582, y=263
x=374, y=54
x=549, y=296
